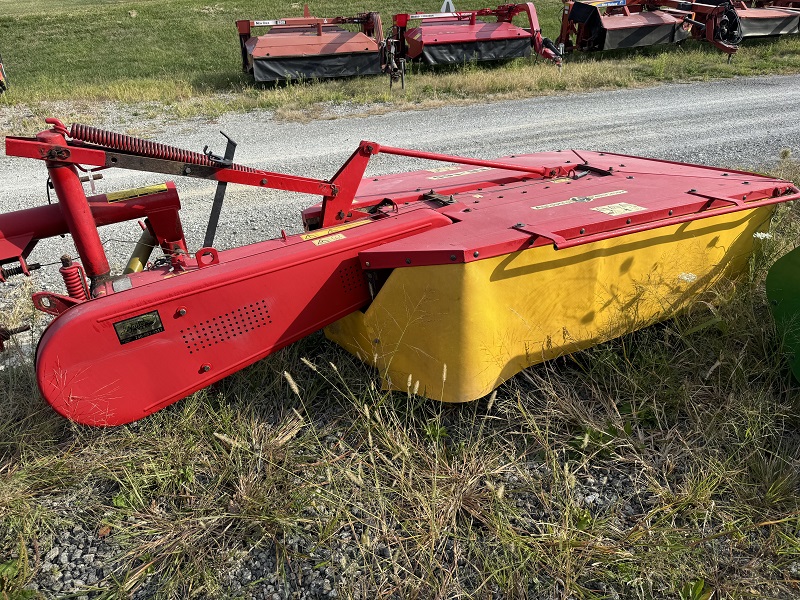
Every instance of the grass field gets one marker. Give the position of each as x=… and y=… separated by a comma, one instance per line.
x=184, y=56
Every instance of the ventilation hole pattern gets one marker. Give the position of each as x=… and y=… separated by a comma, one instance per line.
x=227, y=326
x=352, y=278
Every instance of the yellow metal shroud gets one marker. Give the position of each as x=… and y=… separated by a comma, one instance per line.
x=461, y=330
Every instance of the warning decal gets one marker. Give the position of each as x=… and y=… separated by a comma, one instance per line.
x=329, y=239
x=575, y=199
x=621, y=208
x=329, y=230
x=136, y=192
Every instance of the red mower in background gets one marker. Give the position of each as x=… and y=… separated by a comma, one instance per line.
x=614, y=24
x=307, y=47
x=464, y=36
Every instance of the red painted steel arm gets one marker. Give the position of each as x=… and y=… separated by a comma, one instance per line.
x=132, y=153
x=99, y=157
x=494, y=164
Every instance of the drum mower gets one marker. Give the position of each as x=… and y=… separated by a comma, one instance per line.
x=311, y=48
x=450, y=280
x=460, y=37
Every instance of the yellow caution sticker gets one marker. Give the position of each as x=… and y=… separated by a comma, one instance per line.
x=328, y=239
x=576, y=199
x=329, y=230
x=136, y=192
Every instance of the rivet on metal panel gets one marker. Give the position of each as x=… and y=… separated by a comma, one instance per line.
x=205, y=368
x=475, y=254
x=366, y=264
x=408, y=261
x=181, y=312
x=670, y=212
x=263, y=182
x=628, y=222
x=452, y=257
x=583, y=231
x=187, y=170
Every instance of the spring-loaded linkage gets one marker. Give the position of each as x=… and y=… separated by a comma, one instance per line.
x=74, y=279
x=127, y=143
x=6, y=272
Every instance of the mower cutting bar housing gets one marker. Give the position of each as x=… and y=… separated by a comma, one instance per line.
x=483, y=268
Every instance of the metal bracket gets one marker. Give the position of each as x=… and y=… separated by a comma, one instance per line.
x=535, y=231
x=219, y=195
x=53, y=304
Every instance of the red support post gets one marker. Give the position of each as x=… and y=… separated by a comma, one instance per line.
x=77, y=213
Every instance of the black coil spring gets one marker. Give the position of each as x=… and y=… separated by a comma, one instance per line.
x=134, y=145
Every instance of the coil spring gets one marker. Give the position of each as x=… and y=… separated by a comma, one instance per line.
x=74, y=281
x=18, y=270
x=128, y=143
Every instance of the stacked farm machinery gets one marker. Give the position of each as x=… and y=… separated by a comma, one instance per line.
x=479, y=269
x=309, y=47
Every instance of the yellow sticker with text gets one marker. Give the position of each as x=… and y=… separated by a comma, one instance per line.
x=136, y=192
x=328, y=240
x=329, y=230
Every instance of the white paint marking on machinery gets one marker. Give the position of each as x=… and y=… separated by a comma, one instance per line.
x=575, y=199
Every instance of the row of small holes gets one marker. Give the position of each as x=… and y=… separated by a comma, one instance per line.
x=227, y=326
x=352, y=278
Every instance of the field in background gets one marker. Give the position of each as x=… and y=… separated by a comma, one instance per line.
x=185, y=56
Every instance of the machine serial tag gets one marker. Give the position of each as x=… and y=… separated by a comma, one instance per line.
x=139, y=327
